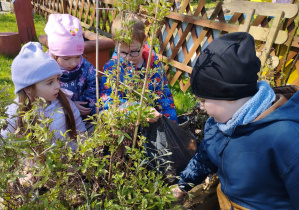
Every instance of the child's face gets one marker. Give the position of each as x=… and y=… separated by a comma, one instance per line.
x=220, y=110
x=48, y=88
x=132, y=53
x=68, y=62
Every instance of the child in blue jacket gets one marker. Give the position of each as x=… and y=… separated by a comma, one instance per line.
x=252, y=136
x=133, y=58
x=66, y=46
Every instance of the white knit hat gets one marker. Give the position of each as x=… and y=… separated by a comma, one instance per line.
x=32, y=65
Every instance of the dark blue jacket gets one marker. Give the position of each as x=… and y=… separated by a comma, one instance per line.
x=82, y=83
x=258, y=165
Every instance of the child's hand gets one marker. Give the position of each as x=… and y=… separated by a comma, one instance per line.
x=26, y=180
x=83, y=110
x=156, y=114
x=177, y=192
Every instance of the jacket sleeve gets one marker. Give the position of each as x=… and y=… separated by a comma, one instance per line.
x=198, y=168
x=105, y=91
x=165, y=103
x=291, y=179
x=287, y=159
x=89, y=93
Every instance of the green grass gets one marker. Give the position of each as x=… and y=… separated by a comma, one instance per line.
x=184, y=102
x=40, y=24
x=9, y=24
x=208, y=4
x=5, y=76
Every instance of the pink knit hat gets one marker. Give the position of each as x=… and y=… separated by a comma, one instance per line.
x=64, y=35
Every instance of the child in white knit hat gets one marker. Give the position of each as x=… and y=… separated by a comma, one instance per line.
x=36, y=75
x=66, y=46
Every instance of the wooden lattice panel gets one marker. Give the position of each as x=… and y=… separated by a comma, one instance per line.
x=197, y=28
x=180, y=28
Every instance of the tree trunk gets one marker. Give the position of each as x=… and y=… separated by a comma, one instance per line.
x=10, y=43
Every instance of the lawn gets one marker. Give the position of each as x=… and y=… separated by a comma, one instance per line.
x=209, y=4
x=183, y=101
x=9, y=24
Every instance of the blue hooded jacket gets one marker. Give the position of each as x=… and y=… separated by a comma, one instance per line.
x=82, y=82
x=258, y=165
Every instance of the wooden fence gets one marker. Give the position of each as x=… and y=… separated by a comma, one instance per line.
x=184, y=34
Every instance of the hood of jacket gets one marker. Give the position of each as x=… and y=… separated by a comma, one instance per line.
x=285, y=107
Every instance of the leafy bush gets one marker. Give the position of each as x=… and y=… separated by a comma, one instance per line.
x=108, y=170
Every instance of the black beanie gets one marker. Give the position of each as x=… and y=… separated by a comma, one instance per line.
x=227, y=68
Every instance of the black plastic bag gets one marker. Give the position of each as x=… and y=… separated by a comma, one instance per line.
x=166, y=136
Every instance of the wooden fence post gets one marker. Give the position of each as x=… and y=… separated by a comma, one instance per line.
x=24, y=16
x=64, y=6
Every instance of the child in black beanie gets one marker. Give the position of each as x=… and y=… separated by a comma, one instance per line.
x=252, y=136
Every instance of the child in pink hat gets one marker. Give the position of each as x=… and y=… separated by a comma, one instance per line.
x=66, y=46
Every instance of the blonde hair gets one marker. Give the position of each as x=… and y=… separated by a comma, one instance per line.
x=25, y=107
x=138, y=26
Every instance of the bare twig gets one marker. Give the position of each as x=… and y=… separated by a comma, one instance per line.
x=288, y=50
x=115, y=96
x=145, y=78
x=296, y=58
x=97, y=55
x=87, y=203
x=291, y=68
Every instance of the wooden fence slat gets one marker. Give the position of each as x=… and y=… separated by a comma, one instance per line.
x=297, y=68
x=50, y=4
x=201, y=4
x=43, y=3
x=202, y=22
x=106, y=20
x=262, y=8
x=175, y=63
x=235, y=18
x=71, y=7
x=81, y=10
x=54, y=5
x=101, y=18
x=175, y=77
x=261, y=34
x=185, y=87
x=60, y=7
x=169, y=35
x=64, y=6
x=76, y=8
x=87, y=12
x=93, y=15
x=246, y=26
x=271, y=36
